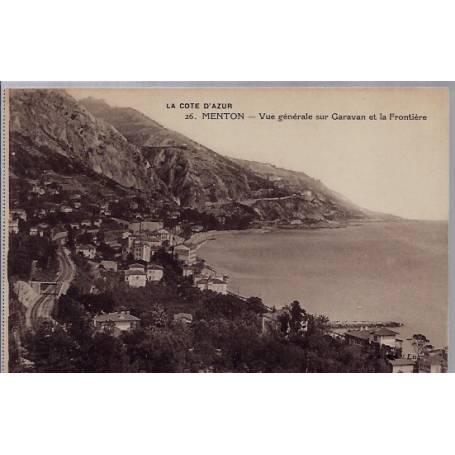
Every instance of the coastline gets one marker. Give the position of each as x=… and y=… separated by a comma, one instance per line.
x=200, y=237
x=355, y=319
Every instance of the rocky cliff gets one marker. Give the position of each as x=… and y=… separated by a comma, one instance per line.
x=197, y=176
x=194, y=174
x=311, y=199
x=48, y=124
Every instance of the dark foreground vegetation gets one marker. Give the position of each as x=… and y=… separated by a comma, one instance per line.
x=226, y=334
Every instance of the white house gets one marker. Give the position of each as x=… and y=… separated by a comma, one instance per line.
x=212, y=284
x=384, y=337
x=154, y=272
x=186, y=253
x=165, y=235
x=217, y=285
x=136, y=278
x=88, y=251
x=122, y=320
x=141, y=251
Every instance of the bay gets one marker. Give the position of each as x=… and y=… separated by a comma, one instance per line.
x=377, y=271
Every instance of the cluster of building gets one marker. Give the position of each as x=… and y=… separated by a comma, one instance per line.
x=403, y=353
x=53, y=195
x=137, y=275
x=139, y=241
x=123, y=321
x=204, y=277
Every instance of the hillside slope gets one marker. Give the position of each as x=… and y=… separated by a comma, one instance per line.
x=194, y=174
x=197, y=176
x=49, y=129
x=311, y=190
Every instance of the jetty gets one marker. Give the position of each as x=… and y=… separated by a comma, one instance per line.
x=363, y=325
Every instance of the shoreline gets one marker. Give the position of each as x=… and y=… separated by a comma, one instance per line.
x=201, y=238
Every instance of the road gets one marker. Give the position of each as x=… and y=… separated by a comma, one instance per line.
x=43, y=307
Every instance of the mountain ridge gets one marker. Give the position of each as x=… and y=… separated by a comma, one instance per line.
x=138, y=153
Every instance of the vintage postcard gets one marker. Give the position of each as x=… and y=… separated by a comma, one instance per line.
x=225, y=229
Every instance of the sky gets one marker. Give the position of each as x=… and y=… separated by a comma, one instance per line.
x=389, y=166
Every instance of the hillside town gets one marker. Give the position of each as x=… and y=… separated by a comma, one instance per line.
x=115, y=234
x=122, y=241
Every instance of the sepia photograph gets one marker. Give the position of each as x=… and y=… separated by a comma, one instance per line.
x=227, y=230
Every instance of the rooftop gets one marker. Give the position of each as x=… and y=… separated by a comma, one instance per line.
x=136, y=266
x=360, y=334
x=183, y=317
x=134, y=272
x=116, y=317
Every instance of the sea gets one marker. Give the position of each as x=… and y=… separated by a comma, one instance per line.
x=377, y=271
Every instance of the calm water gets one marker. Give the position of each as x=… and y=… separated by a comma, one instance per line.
x=381, y=271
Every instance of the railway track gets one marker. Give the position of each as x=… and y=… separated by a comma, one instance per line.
x=43, y=307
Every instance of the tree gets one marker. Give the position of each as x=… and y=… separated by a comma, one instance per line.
x=106, y=354
x=98, y=303
x=155, y=317
x=420, y=344
x=51, y=349
x=19, y=263
x=157, y=350
x=70, y=240
x=298, y=317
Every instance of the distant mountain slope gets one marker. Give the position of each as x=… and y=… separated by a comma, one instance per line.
x=48, y=128
x=198, y=176
x=296, y=182
x=194, y=174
